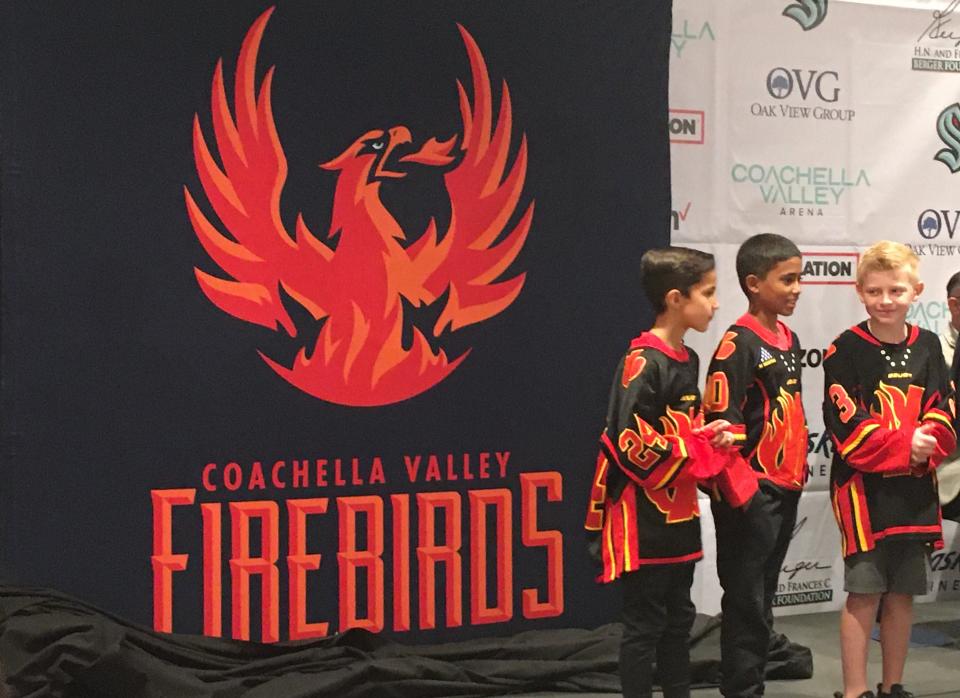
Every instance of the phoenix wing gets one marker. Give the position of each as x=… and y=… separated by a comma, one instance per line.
x=245, y=195
x=474, y=252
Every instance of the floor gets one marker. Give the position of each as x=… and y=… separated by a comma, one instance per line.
x=932, y=672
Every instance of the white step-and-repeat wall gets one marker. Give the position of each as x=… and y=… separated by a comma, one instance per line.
x=836, y=124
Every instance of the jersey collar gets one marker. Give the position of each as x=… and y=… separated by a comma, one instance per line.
x=648, y=339
x=862, y=330
x=782, y=339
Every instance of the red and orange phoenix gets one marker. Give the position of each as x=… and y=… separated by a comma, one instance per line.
x=355, y=278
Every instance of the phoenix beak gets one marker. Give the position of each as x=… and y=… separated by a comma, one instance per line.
x=399, y=135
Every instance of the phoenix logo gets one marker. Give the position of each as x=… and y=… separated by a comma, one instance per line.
x=783, y=444
x=807, y=13
x=897, y=407
x=948, y=128
x=361, y=279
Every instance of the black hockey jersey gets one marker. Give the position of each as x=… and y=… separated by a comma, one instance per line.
x=754, y=383
x=875, y=396
x=643, y=502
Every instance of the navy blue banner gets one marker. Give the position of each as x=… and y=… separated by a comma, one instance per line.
x=310, y=310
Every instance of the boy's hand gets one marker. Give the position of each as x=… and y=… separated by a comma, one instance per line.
x=922, y=446
x=718, y=434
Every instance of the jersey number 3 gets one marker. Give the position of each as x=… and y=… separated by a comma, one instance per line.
x=845, y=406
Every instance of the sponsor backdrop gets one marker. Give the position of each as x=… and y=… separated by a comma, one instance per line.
x=835, y=124
x=310, y=311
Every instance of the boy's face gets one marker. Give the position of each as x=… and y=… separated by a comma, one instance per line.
x=887, y=296
x=698, y=306
x=779, y=289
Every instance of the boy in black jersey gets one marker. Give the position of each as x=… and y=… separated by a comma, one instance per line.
x=754, y=383
x=888, y=405
x=643, y=518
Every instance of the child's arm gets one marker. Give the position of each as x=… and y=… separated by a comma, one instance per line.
x=859, y=437
x=729, y=375
x=936, y=419
x=653, y=445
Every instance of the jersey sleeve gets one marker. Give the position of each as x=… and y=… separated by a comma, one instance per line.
x=860, y=438
x=728, y=377
x=653, y=445
x=939, y=407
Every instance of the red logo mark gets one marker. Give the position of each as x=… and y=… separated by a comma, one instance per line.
x=897, y=408
x=355, y=278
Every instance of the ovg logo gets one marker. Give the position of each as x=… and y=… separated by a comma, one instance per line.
x=948, y=128
x=807, y=13
x=803, y=93
x=354, y=297
x=781, y=83
x=931, y=222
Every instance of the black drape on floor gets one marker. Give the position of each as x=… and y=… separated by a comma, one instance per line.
x=54, y=645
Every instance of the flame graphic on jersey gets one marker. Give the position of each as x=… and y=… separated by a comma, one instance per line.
x=783, y=444
x=680, y=423
x=677, y=502
x=897, y=407
x=353, y=281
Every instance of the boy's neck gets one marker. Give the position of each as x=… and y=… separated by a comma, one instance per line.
x=890, y=334
x=669, y=330
x=766, y=318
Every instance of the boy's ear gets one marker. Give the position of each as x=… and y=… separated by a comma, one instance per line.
x=672, y=298
x=752, y=282
x=918, y=288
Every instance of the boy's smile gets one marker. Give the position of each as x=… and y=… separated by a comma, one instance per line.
x=777, y=292
x=887, y=295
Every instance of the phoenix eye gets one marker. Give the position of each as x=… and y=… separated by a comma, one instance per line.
x=377, y=146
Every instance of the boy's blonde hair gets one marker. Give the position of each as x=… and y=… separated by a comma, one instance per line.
x=887, y=255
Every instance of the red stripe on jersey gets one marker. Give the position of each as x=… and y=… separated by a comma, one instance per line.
x=937, y=414
x=913, y=334
x=866, y=336
x=615, y=539
x=671, y=560
x=781, y=339
x=862, y=513
x=648, y=339
x=766, y=420
x=905, y=530
x=855, y=436
x=631, y=532
x=845, y=509
x=838, y=517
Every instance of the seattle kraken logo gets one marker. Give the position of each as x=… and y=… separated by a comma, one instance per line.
x=808, y=13
x=948, y=128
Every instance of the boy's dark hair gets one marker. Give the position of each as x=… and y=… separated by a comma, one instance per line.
x=761, y=253
x=953, y=286
x=667, y=268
